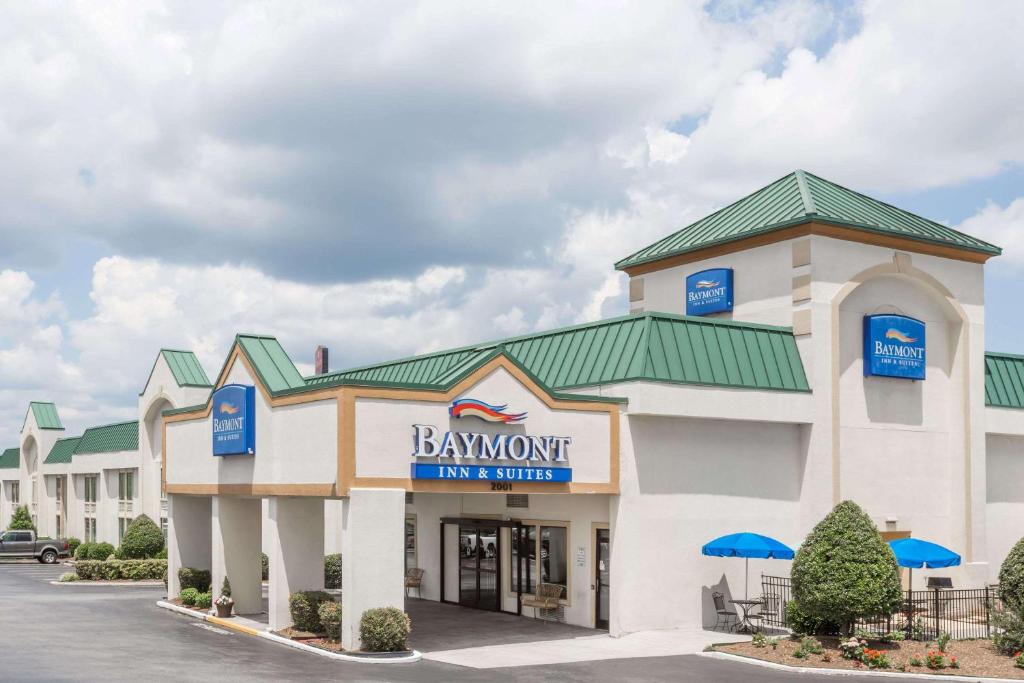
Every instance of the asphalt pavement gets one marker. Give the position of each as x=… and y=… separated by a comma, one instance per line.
x=91, y=633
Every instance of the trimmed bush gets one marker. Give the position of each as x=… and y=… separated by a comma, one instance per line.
x=142, y=539
x=332, y=571
x=384, y=629
x=265, y=562
x=204, y=600
x=188, y=596
x=1011, y=579
x=73, y=544
x=305, y=609
x=21, y=519
x=162, y=555
x=100, y=551
x=330, y=619
x=844, y=571
x=121, y=570
x=82, y=551
x=199, y=579
x=807, y=625
x=68, y=577
x=225, y=587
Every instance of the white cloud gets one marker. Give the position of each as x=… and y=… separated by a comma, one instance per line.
x=1001, y=226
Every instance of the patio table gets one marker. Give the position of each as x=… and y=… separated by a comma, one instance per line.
x=746, y=625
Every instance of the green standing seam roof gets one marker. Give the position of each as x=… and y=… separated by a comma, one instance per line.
x=798, y=198
x=185, y=368
x=271, y=363
x=10, y=459
x=1004, y=380
x=113, y=438
x=62, y=451
x=45, y=414
x=657, y=347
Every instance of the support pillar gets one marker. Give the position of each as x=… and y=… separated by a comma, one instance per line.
x=237, y=545
x=295, y=553
x=188, y=536
x=373, y=552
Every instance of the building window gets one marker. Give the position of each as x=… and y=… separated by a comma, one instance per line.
x=90, y=529
x=90, y=489
x=410, y=541
x=15, y=492
x=125, y=495
x=545, y=548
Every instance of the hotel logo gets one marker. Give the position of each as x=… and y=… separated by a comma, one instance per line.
x=471, y=407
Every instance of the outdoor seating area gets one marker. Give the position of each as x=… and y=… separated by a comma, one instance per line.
x=545, y=600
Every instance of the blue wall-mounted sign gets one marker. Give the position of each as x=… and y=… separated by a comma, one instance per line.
x=894, y=346
x=479, y=473
x=234, y=420
x=709, y=291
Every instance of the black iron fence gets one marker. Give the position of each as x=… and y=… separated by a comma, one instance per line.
x=963, y=613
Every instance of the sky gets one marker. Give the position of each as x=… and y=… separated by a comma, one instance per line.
x=392, y=178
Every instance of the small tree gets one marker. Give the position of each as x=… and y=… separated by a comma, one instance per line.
x=21, y=519
x=225, y=587
x=142, y=539
x=844, y=571
x=1011, y=579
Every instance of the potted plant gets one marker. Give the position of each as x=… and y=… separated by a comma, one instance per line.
x=224, y=603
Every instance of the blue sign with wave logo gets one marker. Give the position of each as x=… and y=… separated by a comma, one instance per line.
x=234, y=420
x=894, y=346
x=709, y=291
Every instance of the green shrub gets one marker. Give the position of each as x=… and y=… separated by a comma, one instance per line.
x=225, y=587
x=844, y=571
x=1007, y=631
x=384, y=629
x=805, y=624
x=204, y=600
x=67, y=577
x=100, y=551
x=82, y=551
x=189, y=577
x=1011, y=579
x=121, y=570
x=142, y=539
x=305, y=609
x=265, y=563
x=73, y=544
x=332, y=571
x=162, y=555
x=812, y=645
x=21, y=519
x=188, y=596
x=330, y=619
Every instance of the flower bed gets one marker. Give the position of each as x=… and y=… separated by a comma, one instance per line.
x=962, y=657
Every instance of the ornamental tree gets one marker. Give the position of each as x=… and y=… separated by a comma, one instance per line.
x=21, y=519
x=142, y=539
x=1011, y=579
x=844, y=571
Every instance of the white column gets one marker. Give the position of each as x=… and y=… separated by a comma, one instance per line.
x=237, y=543
x=295, y=553
x=188, y=536
x=373, y=551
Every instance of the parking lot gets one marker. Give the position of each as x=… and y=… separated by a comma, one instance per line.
x=88, y=633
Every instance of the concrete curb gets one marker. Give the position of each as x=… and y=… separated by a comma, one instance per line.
x=130, y=584
x=849, y=672
x=267, y=635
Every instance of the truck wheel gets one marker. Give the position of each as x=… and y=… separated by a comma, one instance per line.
x=48, y=557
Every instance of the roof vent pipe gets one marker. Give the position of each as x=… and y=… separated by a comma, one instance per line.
x=321, y=361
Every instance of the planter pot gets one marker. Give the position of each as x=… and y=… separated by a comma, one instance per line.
x=224, y=611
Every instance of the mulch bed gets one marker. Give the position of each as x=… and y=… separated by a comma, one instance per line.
x=307, y=638
x=179, y=603
x=976, y=657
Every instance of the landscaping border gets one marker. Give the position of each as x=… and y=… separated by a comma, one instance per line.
x=365, y=658
x=134, y=584
x=823, y=671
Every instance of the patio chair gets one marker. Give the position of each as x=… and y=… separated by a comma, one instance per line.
x=725, y=615
x=770, y=608
x=413, y=579
x=546, y=598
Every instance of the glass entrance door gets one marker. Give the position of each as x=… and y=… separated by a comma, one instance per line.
x=602, y=588
x=478, y=567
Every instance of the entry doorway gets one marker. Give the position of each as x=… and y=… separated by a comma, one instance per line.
x=479, y=554
x=602, y=582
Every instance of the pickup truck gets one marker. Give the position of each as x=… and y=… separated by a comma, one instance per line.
x=24, y=544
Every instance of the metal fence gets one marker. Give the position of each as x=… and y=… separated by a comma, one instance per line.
x=963, y=613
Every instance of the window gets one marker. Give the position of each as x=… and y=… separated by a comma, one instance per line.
x=163, y=528
x=122, y=526
x=90, y=488
x=125, y=485
x=546, y=551
x=90, y=529
x=410, y=541
x=15, y=492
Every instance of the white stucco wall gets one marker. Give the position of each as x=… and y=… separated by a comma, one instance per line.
x=1005, y=504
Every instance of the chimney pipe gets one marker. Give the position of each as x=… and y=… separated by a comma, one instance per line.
x=321, y=360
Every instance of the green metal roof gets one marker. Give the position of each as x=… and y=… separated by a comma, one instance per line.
x=184, y=366
x=62, y=451
x=271, y=363
x=45, y=414
x=1004, y=380
x=113, y=438
x=10, y=459
x=797, y=198
x=657, y=347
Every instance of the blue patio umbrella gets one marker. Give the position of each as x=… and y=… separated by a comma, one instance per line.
x=747, y=545
x=914, y=553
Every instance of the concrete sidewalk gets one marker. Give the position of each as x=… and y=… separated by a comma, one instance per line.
x=585, y=649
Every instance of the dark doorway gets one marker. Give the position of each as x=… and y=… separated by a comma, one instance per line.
x=602, y=586
x=479, y=552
